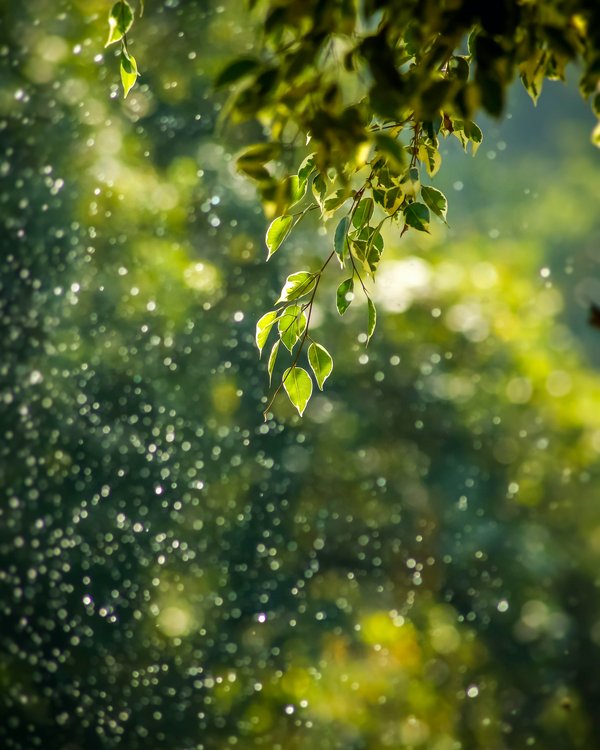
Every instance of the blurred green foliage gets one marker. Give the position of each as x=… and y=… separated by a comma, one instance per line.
x=412, y=565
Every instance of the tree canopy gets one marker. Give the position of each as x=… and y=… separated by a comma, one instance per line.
x=360, y=93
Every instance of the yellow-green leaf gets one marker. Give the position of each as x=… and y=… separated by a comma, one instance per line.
x=298, y=386
x=336, y=199
x=321, y=363
x=319, y=188
x=120, y=19
x=345, y=295
x=291, y=325
x=474, y=134
x=294, y=190
x=435, y=200
x=417, y=216
x=372, y=319
x=430, y=156
x=263, y=328
x=272, y=358
x=306, y=169
x=339, y=240
x=129, y=72
x=296, y=285
x=277, y=232
x=363, y=213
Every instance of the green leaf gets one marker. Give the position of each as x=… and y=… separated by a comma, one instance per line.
x=277, y=232
x=367, y=247
x=263, y=328
x=339, y=240
x=393, y=198
x=435, y=200
x=417, y=216
x=335, y=200
x=129, y=72
x=363, y=213
x=319, y=188
x=392, y=149
x=295, y=189
x=321, y=363
x=372, y=318
x=296, y=285
x=374, y=251
x=411, y=182
x=459, y=67
x=272, y=358
x=533, y=72
x=345, y=295
x=120, y=19
x=291, y=325
x=430, y=156
x=467, y=131
x=472, y=40
x=235, y=71
x=306, y=168
x=474, y=134
x=298, y=386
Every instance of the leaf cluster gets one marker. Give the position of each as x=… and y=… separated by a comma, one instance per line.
x=374, y=87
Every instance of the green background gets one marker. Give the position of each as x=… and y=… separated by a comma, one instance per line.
x=414, y=564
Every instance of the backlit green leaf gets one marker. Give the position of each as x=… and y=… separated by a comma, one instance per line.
x=417, y=216
x=319, y=187
x=277, y=232
x=298, y=386
x=468, y=132
x=430, y=156
x=335, y=200
x=306, y=168
x=263, y=328
x=321, y=363
x=372, y=318
x=339, y=240
x=295, y=189
x=129, y=72
x=363, y=213
x=435, y=200
x=291, y=325
x=120, y=19
x=345, y=295
x=272, y=358
x=296, y=285
x=474, y=134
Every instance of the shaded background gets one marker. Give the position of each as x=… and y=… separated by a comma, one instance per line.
x=412, y=565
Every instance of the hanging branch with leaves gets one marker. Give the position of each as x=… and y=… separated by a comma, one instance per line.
x=120, y=21
x=373, y=87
